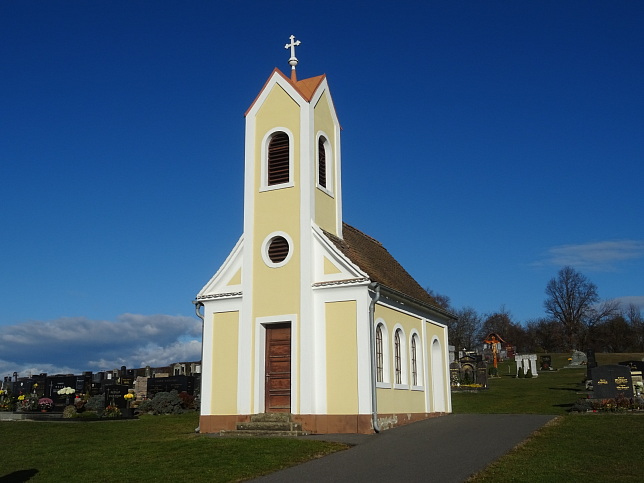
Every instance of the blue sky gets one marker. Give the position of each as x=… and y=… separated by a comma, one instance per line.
x=485, y=144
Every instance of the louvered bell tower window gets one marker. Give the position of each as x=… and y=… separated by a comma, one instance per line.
x=321, y=163
x=278, y=249
x=278, y=159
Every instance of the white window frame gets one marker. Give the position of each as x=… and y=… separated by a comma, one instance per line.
x=328, y=154
x=264, y=186
x=386, y=370
x=404, y=369
x=419, y=362
x=266, y=243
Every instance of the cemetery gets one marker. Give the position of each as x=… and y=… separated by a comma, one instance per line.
x=120, y=393
x=575, y=444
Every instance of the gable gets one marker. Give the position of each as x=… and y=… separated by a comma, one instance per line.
x=228, y=278
x=330, y=265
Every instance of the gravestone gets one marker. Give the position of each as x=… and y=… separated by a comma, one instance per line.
x=527, y=362
x=83, y=383
x=578, y=358
x=23, y=386
x=591, y=363
x=454, y=373
x=167, y=384
x=612, y=381
x=481, y=373
x=114, y=395
x=634, y=365
x=637, y=370
x=546, y=362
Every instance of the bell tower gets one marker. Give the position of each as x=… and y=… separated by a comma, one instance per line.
x=292, y=183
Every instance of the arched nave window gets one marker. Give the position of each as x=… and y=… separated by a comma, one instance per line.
x=397, y=358
x=414, y=361
x=379, y=359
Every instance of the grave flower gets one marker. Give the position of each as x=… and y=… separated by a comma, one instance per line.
x=639, y=387
x=66, y=391
x=45, y=404
x=128, y=399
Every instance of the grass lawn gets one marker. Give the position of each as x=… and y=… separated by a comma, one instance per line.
x=153, y=448
x=574, y=447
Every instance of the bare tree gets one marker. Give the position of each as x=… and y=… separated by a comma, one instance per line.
x=442, y=300
x=598, y=315
x=545, y=335
x=570, y=300
x=462, y=332
x=636, y=321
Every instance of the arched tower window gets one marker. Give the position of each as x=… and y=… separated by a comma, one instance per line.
x=278, y=159
x=322, y=162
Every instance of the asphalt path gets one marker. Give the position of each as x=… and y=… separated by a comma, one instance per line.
x=444, y=449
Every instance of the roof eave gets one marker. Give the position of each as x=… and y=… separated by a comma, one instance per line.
x=415, y=302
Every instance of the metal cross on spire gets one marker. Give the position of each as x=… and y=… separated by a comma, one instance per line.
x=293, y=60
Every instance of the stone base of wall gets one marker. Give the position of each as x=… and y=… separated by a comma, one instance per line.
x=320, y=423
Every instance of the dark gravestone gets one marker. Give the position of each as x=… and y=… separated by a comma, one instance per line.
x=634, y=365
x=22, y=387
x=546, y=362
x=82, y=384
x=114, y=395
x=127, y=381
x=468, y=373
x=167, y=384
x=612, y=381
x=591, y=363
x=481, y=373
x=454, y=373
x=55, y=384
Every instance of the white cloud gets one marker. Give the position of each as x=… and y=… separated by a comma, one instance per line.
x=73, y=345
x=601, y=256
x=637, y=300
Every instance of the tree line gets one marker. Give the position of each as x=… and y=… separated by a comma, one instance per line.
x=575, y=318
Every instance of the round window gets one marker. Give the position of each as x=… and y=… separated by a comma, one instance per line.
x=278, y=249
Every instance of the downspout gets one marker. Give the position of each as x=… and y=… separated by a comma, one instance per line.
x=198, y=306
x=372, y=346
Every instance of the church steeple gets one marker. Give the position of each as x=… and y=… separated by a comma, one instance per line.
x=293, y=60
x=293, y=155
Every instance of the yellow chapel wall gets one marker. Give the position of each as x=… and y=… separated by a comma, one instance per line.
x=325, y=204
x=225, y=329
x=408, y=400
x=276, y=290
x=341, y=357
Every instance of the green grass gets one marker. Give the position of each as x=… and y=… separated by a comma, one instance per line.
x=588, y=447
x=149, y=449
x=551, y=392
x=574, y=447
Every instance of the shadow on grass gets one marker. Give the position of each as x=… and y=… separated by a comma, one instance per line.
x=563, y=405
x=19, y=476
x=574, y=389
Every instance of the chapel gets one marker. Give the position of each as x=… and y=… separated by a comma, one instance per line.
x=308, y=315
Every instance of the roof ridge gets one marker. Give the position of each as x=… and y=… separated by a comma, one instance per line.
x=346, y=225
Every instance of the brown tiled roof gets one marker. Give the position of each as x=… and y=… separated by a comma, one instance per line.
x=379, y=264
x=305, y=87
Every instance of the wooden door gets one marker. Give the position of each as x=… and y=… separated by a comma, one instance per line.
x=278, y=368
